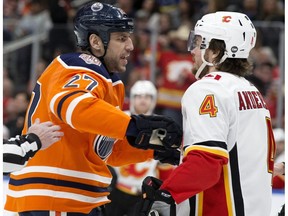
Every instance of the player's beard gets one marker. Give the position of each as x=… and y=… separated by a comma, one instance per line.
x=113, y=64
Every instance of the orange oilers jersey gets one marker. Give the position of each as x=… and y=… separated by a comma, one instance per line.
x=77, y=93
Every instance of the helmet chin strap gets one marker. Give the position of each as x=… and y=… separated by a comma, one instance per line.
x=205, y=63
x=200, y=69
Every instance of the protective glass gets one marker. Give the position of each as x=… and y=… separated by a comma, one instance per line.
x=191, y=43
x=194, y=41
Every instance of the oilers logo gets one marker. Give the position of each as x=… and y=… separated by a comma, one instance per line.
x=103, y=146
x=97, y=7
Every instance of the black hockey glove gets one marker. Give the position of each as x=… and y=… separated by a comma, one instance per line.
x=152, y=193
x=171, y=156
x=153, y=132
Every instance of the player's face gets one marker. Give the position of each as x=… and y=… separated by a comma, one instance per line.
x=196, y=54
x=118, y=51
x=142, y=103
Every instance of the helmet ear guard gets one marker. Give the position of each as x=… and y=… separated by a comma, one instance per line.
x=101, y=19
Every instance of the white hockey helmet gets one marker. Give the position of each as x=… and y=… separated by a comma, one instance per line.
x=143, y=87
x=235, y=29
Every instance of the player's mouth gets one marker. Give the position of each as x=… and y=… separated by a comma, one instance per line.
x=124, y=59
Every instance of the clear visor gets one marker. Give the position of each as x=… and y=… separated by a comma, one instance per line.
x=195, y=41
x=191, y=43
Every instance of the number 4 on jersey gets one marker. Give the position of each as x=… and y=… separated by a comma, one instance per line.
x=208, y=106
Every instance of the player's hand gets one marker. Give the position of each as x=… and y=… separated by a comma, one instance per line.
x=47, y=132
x=154, y=132
x=155, y=200
x=151, y=191
x=171, y=156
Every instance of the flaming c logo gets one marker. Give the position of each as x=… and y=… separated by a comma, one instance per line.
x=226, y=19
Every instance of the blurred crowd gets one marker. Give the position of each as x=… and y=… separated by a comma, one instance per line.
x=160, y=54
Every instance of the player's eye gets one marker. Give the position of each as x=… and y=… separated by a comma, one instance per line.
x=122, y=38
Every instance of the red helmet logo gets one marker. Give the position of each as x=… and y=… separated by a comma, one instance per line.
x=226, y=19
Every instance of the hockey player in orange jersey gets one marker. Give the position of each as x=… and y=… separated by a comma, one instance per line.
x=83, y=94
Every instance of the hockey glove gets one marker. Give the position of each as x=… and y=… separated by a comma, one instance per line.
x=150, y=190
x=152, y=195
x=171, y=156
x=153, y=132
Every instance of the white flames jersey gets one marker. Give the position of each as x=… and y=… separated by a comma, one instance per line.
x=228, y=109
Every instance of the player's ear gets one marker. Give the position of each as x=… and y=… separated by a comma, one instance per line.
x=215, y=53
x=96, y=44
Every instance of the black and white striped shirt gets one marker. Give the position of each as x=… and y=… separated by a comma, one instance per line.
x=17, y=151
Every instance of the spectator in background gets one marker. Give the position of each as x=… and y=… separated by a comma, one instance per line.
x=175, y=74
x=126, y=6
x=60, y=40
x=36, y=21
x=141, y=57
x=16, y=109
x=10, y=16
x=271, y=10
x=151, y=9
x=39, y=68
x=262, y=76
x=8, y=90
x=170, y=7
x=165, y=26
x=216, y=5
x=186, y=12
x=250, y=8
x=265, y=76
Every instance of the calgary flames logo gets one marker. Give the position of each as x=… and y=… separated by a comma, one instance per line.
x=226, y=19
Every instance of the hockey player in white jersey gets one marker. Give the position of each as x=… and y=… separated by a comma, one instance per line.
x=228, y=141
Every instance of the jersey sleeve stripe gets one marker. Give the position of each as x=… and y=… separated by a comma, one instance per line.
x=57, y=182
x=236, y=182
x=65, y=172
x=52, y=102
x=60, y=104
x=213, y=144
x=72, y=106
x=57, y=194
x=228, y=192
x=212, y=150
